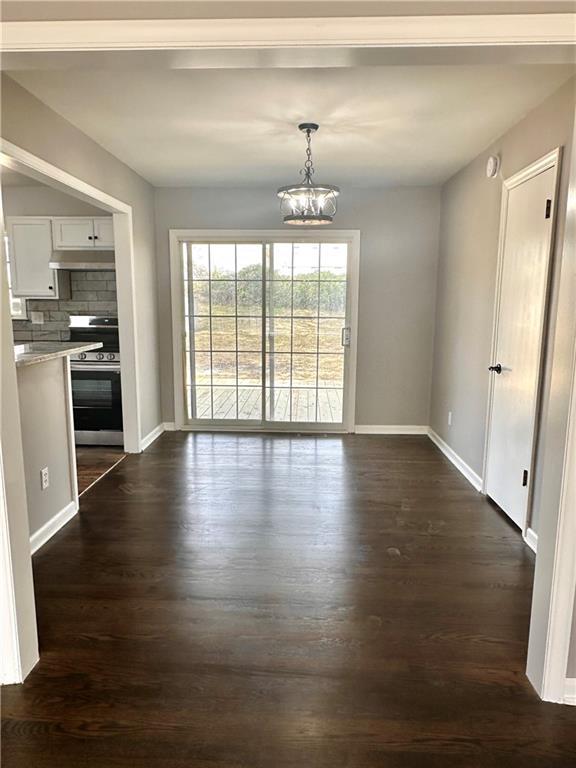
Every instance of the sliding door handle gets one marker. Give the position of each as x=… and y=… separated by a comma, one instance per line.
x=345, y=336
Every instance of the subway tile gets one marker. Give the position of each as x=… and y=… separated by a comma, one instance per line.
x=74, y=306
x=41, y=305
x=85, y=296
x=22, y=335
x=58, y=316
x=111, y=285
x=46, y=335
x=100, y=275
x=106, y=296
x=54, y=326
x=65, y=335
x=89, y=285
x=102, y=306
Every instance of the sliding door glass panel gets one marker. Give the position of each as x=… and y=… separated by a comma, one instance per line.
x=306, y=294
x=223, y=314
x=264, y=325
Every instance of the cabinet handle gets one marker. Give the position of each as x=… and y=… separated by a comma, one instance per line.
x=90, y=237
x=95, y=237
x=50, y=287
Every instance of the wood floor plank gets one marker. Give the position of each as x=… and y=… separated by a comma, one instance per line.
x=273, y=601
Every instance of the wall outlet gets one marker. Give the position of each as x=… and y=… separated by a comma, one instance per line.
x=44, y=478
x=449, y=418
x=37, y=318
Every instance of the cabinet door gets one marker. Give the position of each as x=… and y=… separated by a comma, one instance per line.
x=30, y=243
x=74, y=233
x=104, y=233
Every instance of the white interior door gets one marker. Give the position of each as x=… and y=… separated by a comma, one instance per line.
x=267, y=337
x=527, y=233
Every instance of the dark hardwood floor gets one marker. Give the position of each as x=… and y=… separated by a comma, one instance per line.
x=93, y=461
x=259, y=601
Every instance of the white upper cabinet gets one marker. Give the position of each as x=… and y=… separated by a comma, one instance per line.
x=30, y=244
x=76, y=233
x=104, y=232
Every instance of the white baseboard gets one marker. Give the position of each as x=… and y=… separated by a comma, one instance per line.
x=169, y=426
x=474, y=479
x=390, y=429
x=570, y=691
x=53, y=525
x=531, y=539
x=151, y=436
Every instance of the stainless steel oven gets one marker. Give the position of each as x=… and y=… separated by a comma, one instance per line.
x=96, y=377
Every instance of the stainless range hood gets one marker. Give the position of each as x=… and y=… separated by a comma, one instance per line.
x=86, y=259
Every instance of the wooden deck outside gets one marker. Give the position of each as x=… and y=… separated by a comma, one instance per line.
x=249, y=406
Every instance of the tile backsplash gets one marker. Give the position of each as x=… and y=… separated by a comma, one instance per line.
x=91, y=293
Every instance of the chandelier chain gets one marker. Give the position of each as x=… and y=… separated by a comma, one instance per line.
x=308, y=169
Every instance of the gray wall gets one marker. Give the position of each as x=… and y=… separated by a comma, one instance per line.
x=40, y=200
x=466, y=286
x=44, y=419
x=399, y=246
x=30, y=124
x=469, y=226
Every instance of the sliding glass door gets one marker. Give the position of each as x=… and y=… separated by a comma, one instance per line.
x=266, y=333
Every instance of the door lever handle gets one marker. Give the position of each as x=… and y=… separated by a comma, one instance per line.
x=496, y=368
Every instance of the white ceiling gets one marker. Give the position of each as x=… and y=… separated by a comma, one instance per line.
x=387, y=125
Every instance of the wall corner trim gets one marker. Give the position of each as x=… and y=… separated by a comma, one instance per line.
x=570, y=691
x=531, y=538
x=52, y=527
x=474, y=479
x=390, y=429
x=151, y=436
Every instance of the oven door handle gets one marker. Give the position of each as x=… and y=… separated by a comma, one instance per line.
x=90, y=367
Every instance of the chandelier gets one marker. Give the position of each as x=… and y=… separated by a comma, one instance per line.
x=308, y=203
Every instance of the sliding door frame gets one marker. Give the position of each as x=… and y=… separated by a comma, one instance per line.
x=178, y=236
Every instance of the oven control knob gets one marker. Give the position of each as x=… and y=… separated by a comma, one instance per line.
x=99, y=356
x=111, y=356
x=82, y=356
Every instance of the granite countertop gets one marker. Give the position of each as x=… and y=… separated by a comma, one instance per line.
x=41, y=351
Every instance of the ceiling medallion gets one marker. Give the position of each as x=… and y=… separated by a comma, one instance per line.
x=308, y=203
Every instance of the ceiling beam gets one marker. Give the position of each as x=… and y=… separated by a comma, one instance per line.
x=391, y=31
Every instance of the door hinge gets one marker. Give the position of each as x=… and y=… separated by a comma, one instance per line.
x=525, y=478
x=548, y=208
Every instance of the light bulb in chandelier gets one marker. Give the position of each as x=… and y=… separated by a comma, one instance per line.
x=308, y=203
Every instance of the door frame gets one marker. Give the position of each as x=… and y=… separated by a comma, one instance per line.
x=177, y=236
x=18, y=628
x=17, y=159
x=550, y=160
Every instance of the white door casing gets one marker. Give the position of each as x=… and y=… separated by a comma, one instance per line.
x=526, y=238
